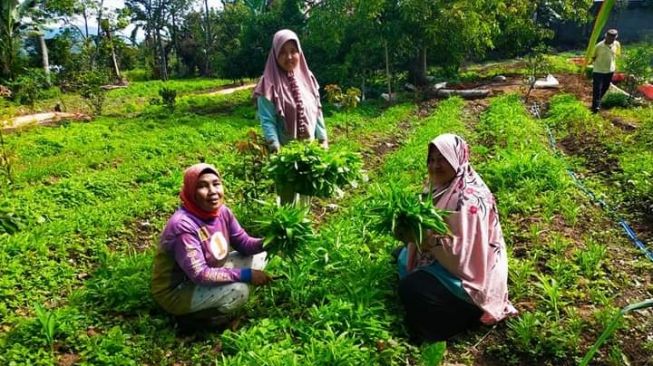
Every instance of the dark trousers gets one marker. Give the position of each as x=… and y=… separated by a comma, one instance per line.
x=600, y=85
x=433, y=313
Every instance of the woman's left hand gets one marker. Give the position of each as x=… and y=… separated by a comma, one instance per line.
x=324, y=144
x=432, y=239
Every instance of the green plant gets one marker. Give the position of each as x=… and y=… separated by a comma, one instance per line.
x=168, y=97
x=89, y=86
x=612, y=100
x=611, y=327
x=433, y=354
x=313, y=171
x=552, y=293
x=5, y=161
x=537, y=66
x=10, y=222
x=524, y=332
x=637, y=66
x=249, y=168
x=521, y=273
x=28, y=88
x=285, y=229
x=403, y=213
x=48, y=321
x=590, y=259
x=599, y=23
x=347, y=100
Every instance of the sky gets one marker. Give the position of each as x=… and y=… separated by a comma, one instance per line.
x=116, y=4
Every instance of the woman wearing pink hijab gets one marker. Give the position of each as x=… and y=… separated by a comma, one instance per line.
x=456, y=281
x=287, y=95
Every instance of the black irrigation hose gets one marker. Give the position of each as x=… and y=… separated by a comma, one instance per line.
x=535, y=110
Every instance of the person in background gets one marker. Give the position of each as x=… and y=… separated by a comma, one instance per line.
x=288, y=100
x=458, y=280
x=604, y=64
x=196, y=276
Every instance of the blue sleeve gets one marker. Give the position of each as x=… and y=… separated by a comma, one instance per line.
x=320, y=128
x=268, y=117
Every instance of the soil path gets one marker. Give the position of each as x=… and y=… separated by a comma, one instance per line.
x=39, y=118
x=232, y=90
x=47, y=118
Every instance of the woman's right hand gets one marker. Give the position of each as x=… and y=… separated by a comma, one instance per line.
x=274, y=147
x=260, y=278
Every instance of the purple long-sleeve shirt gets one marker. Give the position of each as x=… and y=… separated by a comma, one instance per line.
x=181, y=257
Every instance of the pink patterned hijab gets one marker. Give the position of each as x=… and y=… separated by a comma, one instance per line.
x=476, y=251
x=295, y=95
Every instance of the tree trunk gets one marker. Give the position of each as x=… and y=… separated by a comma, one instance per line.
x=206, y=39
x=175, y=42
x=114, y=60
x=99, y=34
x=387, y=67
x=164, y=66
x=418, y=69
x=85, y=15
x=44, y=57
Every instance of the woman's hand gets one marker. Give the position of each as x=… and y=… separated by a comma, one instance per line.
x=404, y=235
x=433, y=239
x=324, y=144
x=273, y=147
x=260, y=278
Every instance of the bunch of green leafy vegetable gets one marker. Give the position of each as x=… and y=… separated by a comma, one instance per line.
x=310, y=170
x=403, y=213
x=284, y=228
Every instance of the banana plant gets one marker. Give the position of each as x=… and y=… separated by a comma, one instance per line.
x=11, y=14
x=599, y=23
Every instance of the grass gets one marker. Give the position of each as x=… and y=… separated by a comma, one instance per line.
x=91, y=199
x=124, y=102
x=91, y=213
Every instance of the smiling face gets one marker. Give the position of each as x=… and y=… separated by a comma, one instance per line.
x=288, y=56
x=209, y=192
x=440, y=171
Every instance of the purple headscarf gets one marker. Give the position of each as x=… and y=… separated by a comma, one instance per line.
x=302, y=106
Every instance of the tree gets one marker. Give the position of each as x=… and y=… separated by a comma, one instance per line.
x=114, y=22
x=151, y=15
x=11, y=14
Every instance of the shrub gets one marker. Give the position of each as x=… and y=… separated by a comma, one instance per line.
x=637, y=66
x=29, y=87
x=168, y=97
x=89, y=86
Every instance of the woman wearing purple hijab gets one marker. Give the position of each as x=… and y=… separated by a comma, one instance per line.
x=287, y=95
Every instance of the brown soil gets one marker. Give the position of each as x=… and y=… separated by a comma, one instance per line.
x=599, y=160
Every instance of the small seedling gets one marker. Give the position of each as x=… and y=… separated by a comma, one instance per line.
x=48, y=321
